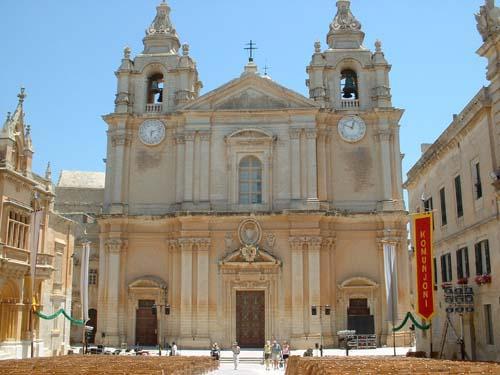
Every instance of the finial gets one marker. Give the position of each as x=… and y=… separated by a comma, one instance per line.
x=345, y=20
x=28, y=130
x=21, y=95
x=378, y=46
x=266, y=68
x=185, y=49
x=126, y=53
x=251, y=47
x=8, y=116
x=48, y=172
x=161, y=24
x=317, y=46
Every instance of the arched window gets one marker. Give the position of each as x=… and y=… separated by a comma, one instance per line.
x=155, y=89
x=250, y=183
x=349, y=85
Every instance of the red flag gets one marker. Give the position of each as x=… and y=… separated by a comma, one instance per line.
x=422, y=226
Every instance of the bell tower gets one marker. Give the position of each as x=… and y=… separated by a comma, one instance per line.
x=347, y=75
x=158, y=80
x=151, y=86
x=351, y=83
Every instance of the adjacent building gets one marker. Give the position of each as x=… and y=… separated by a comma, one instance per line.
x=21, y=192
x=243, y=208
x=458, y=179
x=79, y=197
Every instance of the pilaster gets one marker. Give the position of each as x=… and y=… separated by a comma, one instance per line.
x=180, y=160
x=312, y=172
x=202, y=318
x=186, y=306
x=295, y=163
x=297, y=288
x=205, y=166
x=189, y=166
x=110, y=308
x=314, y=272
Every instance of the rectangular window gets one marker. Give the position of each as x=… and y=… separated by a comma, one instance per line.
x=478, y=187
x=483, y=265
x=446, y=272
x=92, y=277
x=18, y=229
x=442, y=196
x=58, y=268
x=428, y=207
x=458, y=196
x=488, y=323
x=463, y=263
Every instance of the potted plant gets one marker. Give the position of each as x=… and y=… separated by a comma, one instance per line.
x=483, y=279
x=463, y=281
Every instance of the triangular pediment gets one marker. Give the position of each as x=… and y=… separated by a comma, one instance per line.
x=250, y=92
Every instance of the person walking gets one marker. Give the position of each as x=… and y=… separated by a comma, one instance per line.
x=215, y=352
x=173, y=349
x=267, y=354
x=276, y=354
x=286, y=352
x=236, y=354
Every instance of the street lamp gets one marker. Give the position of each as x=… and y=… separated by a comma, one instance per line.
x=158, y=308
x=323, y=309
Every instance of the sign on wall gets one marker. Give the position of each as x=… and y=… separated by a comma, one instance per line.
x=422, y=226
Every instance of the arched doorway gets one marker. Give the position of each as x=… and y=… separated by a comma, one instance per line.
x=145, y=327
x=92, y=323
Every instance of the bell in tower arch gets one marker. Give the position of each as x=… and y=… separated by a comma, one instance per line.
x=349, y=82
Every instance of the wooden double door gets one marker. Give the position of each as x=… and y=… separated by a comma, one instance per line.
x=146, y=324
x=250, y=319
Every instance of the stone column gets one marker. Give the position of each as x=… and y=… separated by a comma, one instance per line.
x=179, y=182
x=384, y=137
x=205, y=167
x=313, y=255
x=188, y=166
x=202, y=294
x=383, y=296
x=119, y=141
x=312, y=172
x=110, y=307
x=297, y=288
x=386, y=324
x=123, y=293
x=295, y=163
x=186, y=290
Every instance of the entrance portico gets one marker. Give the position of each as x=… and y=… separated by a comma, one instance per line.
x=257, y=284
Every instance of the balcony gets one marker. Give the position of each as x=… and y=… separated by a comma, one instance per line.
x=349, y=104
x=18, y=261
x=154, y=108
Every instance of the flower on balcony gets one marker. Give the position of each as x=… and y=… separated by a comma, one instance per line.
x=483, y=279
x=463, y=281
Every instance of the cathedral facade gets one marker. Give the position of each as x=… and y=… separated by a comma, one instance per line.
x=231, y=215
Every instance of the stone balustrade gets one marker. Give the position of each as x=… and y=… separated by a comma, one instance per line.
x=154, y=108
x=349, y=104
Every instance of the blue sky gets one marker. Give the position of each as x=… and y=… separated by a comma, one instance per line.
x=65, y=54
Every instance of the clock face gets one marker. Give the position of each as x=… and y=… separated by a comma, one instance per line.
x=352, y=128
x=152, y=132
